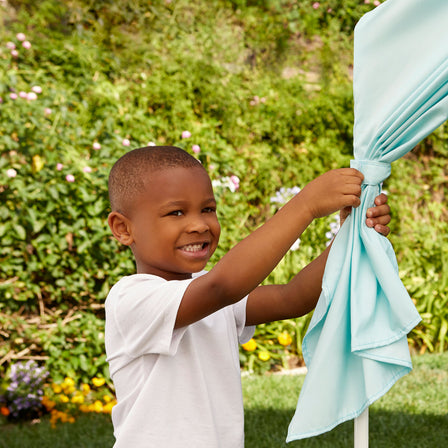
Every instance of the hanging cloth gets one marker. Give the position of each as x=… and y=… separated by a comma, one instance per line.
x=356, y=345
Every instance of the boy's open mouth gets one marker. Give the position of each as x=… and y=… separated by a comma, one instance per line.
x=194, y=247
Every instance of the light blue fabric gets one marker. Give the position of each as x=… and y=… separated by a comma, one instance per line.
x=356, y=346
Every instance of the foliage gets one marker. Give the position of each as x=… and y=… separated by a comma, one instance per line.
x=70, y=344
x=267, y=100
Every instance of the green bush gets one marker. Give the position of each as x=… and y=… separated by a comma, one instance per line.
x=264, y=88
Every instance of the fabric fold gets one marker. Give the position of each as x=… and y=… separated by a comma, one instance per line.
x=356, y=344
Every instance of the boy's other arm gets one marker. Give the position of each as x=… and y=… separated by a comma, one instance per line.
x=246, y=265
x=270, y=303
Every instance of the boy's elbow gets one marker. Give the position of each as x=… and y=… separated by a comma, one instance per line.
x=223, y=290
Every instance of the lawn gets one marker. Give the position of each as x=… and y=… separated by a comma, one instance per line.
x=413, y=414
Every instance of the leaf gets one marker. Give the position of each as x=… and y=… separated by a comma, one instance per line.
x=20, y=232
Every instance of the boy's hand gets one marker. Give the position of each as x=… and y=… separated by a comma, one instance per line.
x=377, y=217
x=333, y=191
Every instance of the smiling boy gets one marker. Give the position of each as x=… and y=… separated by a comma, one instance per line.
x=172, y=329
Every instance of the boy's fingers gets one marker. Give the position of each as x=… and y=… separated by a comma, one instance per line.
x=352, y=174
x=379, y=210
x=381, y=220
x=384, y=230
x=381, y=199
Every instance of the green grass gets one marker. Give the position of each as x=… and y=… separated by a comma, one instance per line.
x=414, y=413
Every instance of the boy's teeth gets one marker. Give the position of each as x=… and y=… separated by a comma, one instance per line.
x=193, y=247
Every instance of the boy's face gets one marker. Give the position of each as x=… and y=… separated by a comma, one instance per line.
x=174, y=225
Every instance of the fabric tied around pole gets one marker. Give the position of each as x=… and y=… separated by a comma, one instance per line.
x=368, y=332
x=374, y=172
x=356, y=345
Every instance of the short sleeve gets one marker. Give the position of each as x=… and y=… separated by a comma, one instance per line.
x=239, y=311
x=144, y=310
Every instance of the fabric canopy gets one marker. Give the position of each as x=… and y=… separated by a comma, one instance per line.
x=356, y=345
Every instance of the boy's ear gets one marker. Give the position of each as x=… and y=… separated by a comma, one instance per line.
x=120, y=227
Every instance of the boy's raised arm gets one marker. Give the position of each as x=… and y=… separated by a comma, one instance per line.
x=246, y=265
x=270, y=303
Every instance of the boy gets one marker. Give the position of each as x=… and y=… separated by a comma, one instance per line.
x=172, y=329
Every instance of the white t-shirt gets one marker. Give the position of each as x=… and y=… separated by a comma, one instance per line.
x=175, y=388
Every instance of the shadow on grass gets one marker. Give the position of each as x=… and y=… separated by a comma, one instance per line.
x=268, y=429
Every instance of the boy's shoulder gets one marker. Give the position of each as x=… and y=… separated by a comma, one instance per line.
x=139, y=278
x=143, y=282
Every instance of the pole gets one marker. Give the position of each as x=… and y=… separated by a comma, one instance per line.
x=362, y=430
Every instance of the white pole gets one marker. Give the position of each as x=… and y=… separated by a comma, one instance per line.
x=362, y=430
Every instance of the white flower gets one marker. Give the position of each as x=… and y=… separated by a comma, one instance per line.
x=11, y=172
x=283, y=195
x=225, y=182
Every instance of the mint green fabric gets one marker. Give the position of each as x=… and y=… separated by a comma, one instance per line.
x=356, y=345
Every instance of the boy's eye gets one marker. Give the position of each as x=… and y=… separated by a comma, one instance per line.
x=175, y=213
x=209, y=210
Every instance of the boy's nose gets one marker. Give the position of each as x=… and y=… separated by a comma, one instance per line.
x=198, y=224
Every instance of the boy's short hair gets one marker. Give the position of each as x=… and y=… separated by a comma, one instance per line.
x=127, y=176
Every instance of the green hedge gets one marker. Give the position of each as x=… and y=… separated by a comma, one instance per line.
x=264, y=88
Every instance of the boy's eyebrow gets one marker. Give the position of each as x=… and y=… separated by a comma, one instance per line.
x=170, y=204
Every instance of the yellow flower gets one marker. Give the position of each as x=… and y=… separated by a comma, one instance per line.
x=85, y=388
x=84, y=408
x=69, y=390
x=57, y=389
x=68, y=382
x=264, y=355
x=62, y=416
x=250, y=346
x=107, y=409
x=107, y=398
x=78, y=398
x=284, y=338
x=48, y=404
x=64, y=398
x=98, y=382
x=97, y=406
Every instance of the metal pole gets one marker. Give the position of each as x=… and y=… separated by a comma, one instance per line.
x=362, y=430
